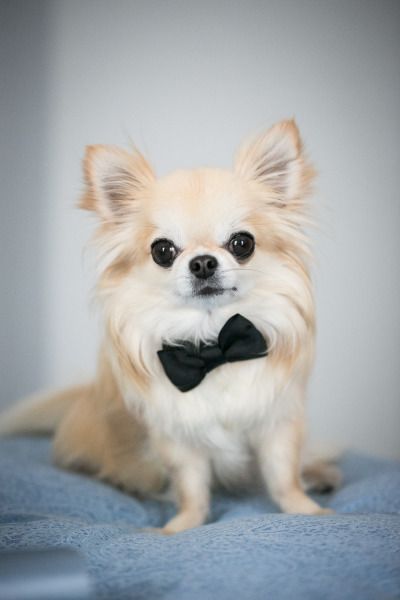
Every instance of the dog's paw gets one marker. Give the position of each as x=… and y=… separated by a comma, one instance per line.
x=324, y=511
x=158, y=530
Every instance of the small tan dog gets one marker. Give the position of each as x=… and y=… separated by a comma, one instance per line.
x=208, y=331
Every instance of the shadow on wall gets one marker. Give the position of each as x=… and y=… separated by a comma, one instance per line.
x=24, y=109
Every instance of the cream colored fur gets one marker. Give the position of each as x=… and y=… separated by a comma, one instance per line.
x=245, y=421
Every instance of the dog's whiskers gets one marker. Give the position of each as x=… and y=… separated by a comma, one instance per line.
x=243, y=269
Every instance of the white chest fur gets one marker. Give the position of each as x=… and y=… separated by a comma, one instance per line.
x=234, y=402
x=226, y=406
x=223, y=416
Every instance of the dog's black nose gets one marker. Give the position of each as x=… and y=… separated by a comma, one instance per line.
x=203, y=266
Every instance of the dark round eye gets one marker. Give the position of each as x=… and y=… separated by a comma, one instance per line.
x=241, y=245
x=163, y=252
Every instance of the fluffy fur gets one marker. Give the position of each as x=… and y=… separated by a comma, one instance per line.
x=245, y=421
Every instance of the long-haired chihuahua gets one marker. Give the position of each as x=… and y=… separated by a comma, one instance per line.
x=208, y=340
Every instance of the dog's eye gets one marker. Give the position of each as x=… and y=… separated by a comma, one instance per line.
x=241, y=245
x=163, y=252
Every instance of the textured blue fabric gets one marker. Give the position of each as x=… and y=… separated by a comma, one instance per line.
x=247, y=551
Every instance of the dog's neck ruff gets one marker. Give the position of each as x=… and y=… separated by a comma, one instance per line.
x=186, y=364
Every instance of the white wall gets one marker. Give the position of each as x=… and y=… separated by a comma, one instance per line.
x=187, y=81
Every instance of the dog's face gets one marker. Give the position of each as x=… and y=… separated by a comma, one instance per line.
x=203, y=243
x=204, y=239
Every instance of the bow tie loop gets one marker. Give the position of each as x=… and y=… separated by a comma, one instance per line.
x=239, y=339
x=186, y=365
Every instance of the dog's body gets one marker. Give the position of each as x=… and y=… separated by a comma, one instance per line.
x=183, y=254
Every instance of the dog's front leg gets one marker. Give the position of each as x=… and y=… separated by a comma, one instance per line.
x=189, y=470
x=279, y=453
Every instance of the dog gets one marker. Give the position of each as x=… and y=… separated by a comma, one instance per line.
x=209, y=327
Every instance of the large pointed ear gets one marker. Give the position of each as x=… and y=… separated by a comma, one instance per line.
x=116, y=181
x=276, y=160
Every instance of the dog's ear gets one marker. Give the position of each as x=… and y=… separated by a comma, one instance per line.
x=116, y=181
x=276, y=160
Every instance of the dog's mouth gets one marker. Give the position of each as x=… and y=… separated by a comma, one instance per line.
x=209, y=291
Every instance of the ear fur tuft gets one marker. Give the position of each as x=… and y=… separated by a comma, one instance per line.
x=276, y=160
x=115, y=181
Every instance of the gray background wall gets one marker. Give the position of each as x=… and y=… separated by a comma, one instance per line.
x=187, y=81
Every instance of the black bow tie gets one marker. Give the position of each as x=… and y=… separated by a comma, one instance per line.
x=186, y=365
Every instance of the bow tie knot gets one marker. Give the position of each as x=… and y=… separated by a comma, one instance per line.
x=186, y=365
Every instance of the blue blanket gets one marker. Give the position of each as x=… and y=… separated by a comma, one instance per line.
x=247, y=550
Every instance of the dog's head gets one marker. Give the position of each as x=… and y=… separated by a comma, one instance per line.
x=206, y=241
